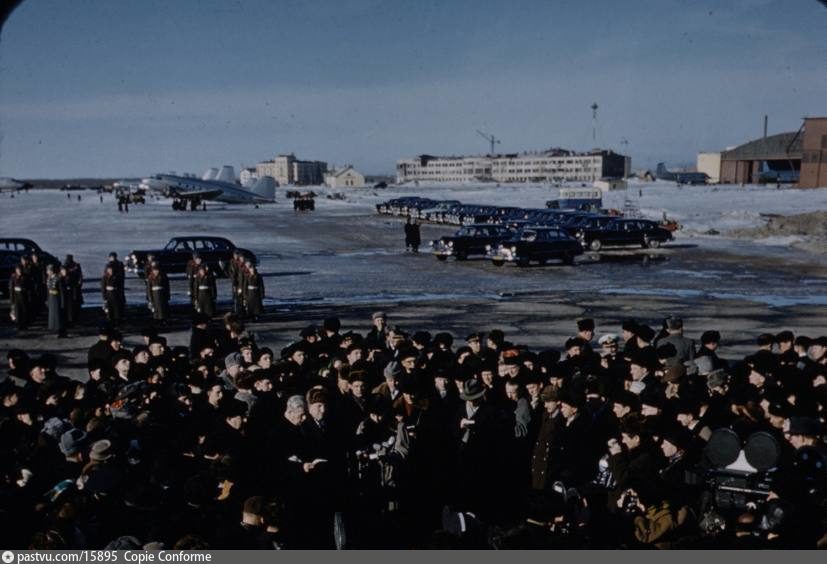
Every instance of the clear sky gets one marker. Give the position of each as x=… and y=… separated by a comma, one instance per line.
x=130, y=87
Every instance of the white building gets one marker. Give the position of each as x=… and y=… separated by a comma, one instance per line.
x=548, y=166
x=710, y=163
x=287, y=169
x=347, y=177
x=248, y=176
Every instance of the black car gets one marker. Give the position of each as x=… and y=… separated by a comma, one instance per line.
x=214, y=251
x=540, y=244
x=11, y=249
x=471, y=240
x=625, y=232
x=592, y=222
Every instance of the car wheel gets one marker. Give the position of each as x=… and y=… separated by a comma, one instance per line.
x=523, y=262
x=498, y=262
x=462, y=255
x=651, y=243
x=596, y=245
x=568, y=258
x=441, y=258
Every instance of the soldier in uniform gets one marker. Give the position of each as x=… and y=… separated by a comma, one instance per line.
x=118, y=270
x=192, y=270
x=205, y=292
x=157, y=293
x=37, y=276
x=20, y=297
x=253, y=292
x=56, y=301
x=73, y=282
x=111, y=292
x=236, y=274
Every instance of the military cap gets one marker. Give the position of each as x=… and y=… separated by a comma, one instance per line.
x=708, y=337
x=585, y=325
x=807, y=426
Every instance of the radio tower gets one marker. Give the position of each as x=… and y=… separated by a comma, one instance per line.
x=594, y=122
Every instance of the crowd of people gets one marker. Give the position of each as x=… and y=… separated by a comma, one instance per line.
x=35, y=287
x=389, y=439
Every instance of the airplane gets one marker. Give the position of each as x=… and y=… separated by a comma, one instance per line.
x=681, y=177
x=218, y=185
x=12, y=185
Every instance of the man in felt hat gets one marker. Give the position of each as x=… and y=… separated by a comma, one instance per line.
x=551, y=422
x=572, y=458
x=477, y=429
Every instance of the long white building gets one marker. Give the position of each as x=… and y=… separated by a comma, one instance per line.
x=555, y=165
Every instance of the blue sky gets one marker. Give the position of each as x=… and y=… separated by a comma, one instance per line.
x=126, y=88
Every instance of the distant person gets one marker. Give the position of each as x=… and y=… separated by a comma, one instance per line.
x=73, y=281
x=413, y=237
x=205, y=292
x=56, y=301
x=253, y=292
x=157, y=293
x=111, y=285
x=20, y=295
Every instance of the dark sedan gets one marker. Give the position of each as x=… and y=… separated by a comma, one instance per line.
x=471, y=240
x=621, y=232
x=536, y=244
x=11, y=249
x=214, y=251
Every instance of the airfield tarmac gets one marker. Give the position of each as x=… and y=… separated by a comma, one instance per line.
x=345, y=260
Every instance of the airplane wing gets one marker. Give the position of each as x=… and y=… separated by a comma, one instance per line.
x=196, y=194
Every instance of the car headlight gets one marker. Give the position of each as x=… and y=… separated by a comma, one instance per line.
x=450, y=243
x=488, y=247
x=513, y=249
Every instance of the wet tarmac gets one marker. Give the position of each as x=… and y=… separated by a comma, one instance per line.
x=344, y=259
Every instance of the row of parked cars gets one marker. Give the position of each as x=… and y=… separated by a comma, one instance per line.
x=525, y=235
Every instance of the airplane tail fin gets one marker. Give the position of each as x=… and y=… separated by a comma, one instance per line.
x=265, y=187
x=227, y=174
x=210, y=174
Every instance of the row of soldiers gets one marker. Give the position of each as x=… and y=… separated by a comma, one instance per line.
x=34, y=285
x=247, y=286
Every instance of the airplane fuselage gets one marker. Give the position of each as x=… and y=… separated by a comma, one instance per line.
x=174, y=186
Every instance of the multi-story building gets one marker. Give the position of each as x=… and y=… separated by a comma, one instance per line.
x=248, y=176
x=287, y=169
x=547, y=166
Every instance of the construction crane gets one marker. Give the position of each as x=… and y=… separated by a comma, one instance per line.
x=490, y=138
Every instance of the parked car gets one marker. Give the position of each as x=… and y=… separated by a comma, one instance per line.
x=470, y=240
x=11, y=249
x=625, y=232
x=591, y=222
x=536, y=244
x=215, y=251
